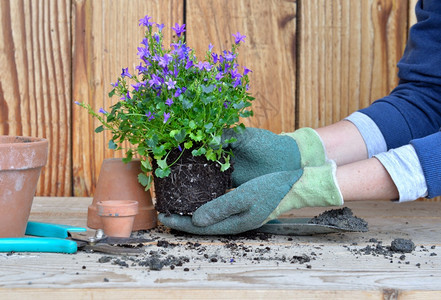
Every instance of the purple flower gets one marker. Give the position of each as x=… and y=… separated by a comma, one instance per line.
x=125, y=72
x=178, y=92
x=215, y=58
x=165, y=60
x=160, y=27
x=157, y=37
x=189, y=64
x=169, y=101
x=145, y=21
x=136, y=86
x=170, y=84
x=210, y=47
x=235, y=74
x=145, y=42
x=219, y=76
x=180, y=148
x=229, y=56
x=141, y=69
x=77, y=103
x=179, y=29
x=166, y=117
x=150, y=116
x=156, y=80
x=125, y=97
x=115, y=84
x=204, y=65
x=143, y=52
x=101, y=110
x=237, y=82
x=226, y=103
x=246, y=71
x=239, y=38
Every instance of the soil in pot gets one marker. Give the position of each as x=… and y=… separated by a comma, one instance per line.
x=193, y=181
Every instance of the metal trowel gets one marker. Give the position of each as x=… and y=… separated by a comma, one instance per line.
x=301, y=226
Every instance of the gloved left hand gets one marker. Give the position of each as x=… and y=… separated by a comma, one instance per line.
x=260, y=200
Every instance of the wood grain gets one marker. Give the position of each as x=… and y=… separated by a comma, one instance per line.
x=269, y=50
x=348, y=53
x=334, y=272
x=106, y=37
x=35, y=82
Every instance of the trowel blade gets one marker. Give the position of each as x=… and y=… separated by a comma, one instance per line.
x=298, y=226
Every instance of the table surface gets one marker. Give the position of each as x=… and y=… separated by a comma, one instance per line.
x=333, y=265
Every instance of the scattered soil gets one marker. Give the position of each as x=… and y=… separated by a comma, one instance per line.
x=402, y=245
x=193, y=182
x=342, y=218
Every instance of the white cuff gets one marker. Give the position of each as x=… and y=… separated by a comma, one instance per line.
x=404, y=168
x=373, y=138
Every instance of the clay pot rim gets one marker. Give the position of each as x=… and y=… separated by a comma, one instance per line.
x=20, y=141
x=117, y=207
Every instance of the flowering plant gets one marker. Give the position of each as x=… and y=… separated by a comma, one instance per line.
x=176, y=102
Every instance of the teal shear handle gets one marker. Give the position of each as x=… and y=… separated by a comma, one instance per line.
x=49, y=238
x=34, y=244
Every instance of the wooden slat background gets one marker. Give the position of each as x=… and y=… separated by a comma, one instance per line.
x=313, y=62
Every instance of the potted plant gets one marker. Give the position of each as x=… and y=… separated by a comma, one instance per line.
x=21, y=161
x=173, y=114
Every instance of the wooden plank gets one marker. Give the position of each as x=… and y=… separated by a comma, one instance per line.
x=348, y=52
x=269, y=50
x=334, y=272
x=35, y=82
x=106, y=37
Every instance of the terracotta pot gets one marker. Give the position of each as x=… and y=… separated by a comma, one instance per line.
x=21, y=160
x=116, y=181
x=117, y=216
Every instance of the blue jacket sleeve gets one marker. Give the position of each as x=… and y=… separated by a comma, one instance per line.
x=413, y=108
x=412, y=111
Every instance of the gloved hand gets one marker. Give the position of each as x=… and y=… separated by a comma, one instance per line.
x=259, y=151
x=260, y=200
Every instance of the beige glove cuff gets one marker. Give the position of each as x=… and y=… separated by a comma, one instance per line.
x=312, y=150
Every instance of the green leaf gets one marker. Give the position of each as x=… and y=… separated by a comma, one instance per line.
x=186, y=103
x=216, y=140
x=192, y=124
x=162, y=163
x=111, y=93
x=161, y=173
x=145, y=180
x=198, y=152
x=225, y=166
x=112, y=145
x=207, y=89
x=208, y=126
x=128, y=158
x=146, y=166
x=207, y=99
x=188, y=145
x=180, y=136
x=99, y=129
x=159, y=151
x=210, y=155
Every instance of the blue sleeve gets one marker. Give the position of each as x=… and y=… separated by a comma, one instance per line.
x=429, y=155
x=413, y=108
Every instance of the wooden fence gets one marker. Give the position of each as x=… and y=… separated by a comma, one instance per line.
x=313, y=63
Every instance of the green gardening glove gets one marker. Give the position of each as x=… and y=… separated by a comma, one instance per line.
x=258, y=152
x=260, y=200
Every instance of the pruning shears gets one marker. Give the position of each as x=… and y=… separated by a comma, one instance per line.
x=48, y=237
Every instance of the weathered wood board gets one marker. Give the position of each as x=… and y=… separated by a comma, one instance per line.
x=334, y=271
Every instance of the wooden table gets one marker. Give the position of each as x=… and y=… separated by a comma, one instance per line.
x=335, y=270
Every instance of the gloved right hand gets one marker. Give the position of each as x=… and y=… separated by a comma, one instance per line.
x=258, y=152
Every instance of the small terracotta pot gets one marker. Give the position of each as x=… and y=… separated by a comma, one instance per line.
x=21, y=161
x=118, y=180
x=118, y=216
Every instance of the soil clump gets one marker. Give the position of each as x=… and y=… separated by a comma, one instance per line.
x=341, y=218
x=193, y=181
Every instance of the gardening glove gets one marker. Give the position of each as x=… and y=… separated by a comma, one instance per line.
x=260, y=200
x=259, y=151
